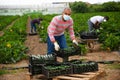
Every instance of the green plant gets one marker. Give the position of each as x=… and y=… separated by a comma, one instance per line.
x=3, y=72
x=6, y=20
x=114, y=66
x=80, y=24
x=12, y=48
x=111, y=43
x=83, y=49
x=12, y=51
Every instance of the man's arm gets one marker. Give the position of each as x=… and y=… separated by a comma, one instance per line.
x=71, y=32
x=51, y=30
x=72, y=36
x=97, y=25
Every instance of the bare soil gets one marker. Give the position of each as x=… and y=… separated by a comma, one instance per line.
x=35, y=47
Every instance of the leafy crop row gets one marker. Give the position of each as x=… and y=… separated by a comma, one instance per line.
x=12, y=48
x=111, y=29
x=6, y=20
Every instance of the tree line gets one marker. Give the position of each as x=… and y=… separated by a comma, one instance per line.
x=83, y=7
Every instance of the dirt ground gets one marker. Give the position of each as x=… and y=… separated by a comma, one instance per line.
x=36, y=47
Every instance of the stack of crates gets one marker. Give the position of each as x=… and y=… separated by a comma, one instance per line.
x=48, y=66
x=37, y=61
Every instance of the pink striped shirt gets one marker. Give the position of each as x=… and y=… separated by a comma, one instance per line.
x=57, y=27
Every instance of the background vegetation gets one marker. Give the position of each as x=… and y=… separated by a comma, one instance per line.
x=82, y=7
x=12, y=48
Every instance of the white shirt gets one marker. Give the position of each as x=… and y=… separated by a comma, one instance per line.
x=95, y=19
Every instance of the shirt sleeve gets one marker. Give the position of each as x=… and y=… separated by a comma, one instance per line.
x=51, y=29
x=71, y=30
x=100, y=19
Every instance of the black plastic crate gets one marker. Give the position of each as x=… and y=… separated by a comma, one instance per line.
x=70, y=51
x=35, y=69
x=52, y=70
x=85, y=67
x=88, y=35
x=41, y=59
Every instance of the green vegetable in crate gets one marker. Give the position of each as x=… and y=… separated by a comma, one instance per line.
x=84, y=67
x=42, y=59
x=67, y=51
x=56, y=68
x=75, y=61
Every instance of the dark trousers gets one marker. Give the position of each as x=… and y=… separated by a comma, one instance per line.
x=33, y=28
x=61, y=41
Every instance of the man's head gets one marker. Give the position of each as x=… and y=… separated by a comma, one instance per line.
x=66, y=14
x=106, y=18
x=40, y=19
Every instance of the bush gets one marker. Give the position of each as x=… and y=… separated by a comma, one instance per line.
x=110, y=6
x=111, y=43
x=78, y=7
x=82, y=7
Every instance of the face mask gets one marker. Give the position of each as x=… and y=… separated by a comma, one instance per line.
x=66, y=17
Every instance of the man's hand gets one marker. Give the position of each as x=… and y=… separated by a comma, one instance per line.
x=101, y=28
x=75, y=42
x=57, y=47
x=96, y=26
x=97, y=30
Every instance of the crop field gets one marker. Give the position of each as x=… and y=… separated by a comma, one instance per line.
x=12, y=48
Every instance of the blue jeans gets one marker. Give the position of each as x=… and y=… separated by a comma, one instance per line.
x=33, y=27
x=61, y=41
x=90, y=25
